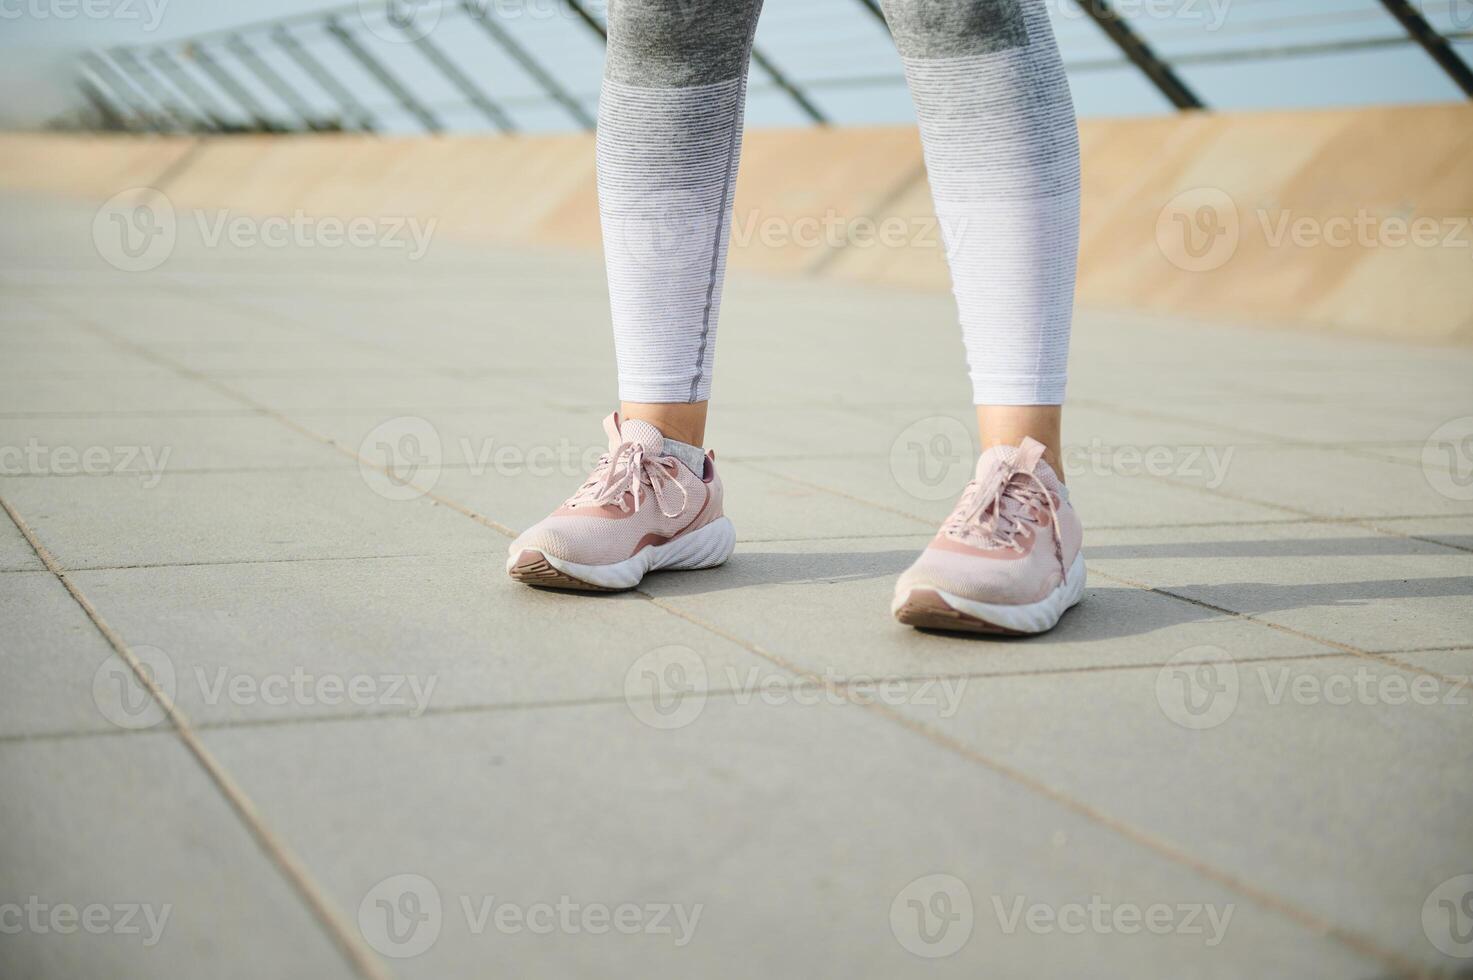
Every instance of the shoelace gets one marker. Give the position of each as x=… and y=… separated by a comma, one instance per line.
x=628, y=470
x=997, y=509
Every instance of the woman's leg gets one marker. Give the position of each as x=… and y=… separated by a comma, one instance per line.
x=669, y=140
x=1002, y=152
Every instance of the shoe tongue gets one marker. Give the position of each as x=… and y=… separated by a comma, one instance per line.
x=641, y=432
x=1002, y=457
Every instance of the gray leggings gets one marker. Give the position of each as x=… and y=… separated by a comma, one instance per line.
x=1002, y=153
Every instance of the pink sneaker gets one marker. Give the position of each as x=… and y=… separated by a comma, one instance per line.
x=1008, y=558
x=640, y=510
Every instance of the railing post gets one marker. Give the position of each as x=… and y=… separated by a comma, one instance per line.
x=1140, y=54
x=353, y=109
x=529, y=64
x=462, y=81
x=230, y=86
x=1433, y=43
x=381, y=75
x=202, y=101
x=268, y=77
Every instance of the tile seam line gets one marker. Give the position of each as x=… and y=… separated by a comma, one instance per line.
x=491, y=708
x=1362, y=522
x=1335, y=644
x=1387, y=658
x=291, y=867
x=1160, y=846
x=283, y=419
x=1264, y=898
x=460, y=508
x=1282, y=442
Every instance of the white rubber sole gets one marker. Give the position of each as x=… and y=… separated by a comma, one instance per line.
x=706, y=548
x=939, y=609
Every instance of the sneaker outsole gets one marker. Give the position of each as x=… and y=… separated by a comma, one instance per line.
x=533, y=568
x=933, y=608
x=705, y=547
x=924, y=609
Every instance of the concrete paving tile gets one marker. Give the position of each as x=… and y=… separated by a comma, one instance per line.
x=16, y=554
x=398, y=636
x=150, y=447
x=835, y=603
x=81, y=359
x=753, y=432
x=205, y=517
x=1331, y=483
x=1454, y=664
x=108, y=394
x=1456, y=532
x=509, y=441
x=1108, y=491
x=322, y=359
x=132, y=829
x=1092, y=433
x=1340, y=582
x=1362, y=420
x=50, y=658
x=1266, y=769
x=162, y=316
x=407, y=393
x=765, y=815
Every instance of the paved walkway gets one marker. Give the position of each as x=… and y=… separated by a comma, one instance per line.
x=1247, y=753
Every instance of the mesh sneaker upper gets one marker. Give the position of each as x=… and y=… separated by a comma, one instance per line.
x=1003, y=543
x=636, y=496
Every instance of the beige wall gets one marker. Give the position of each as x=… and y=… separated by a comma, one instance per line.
x=804, y=196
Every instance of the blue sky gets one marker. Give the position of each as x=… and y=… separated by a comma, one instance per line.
x=835, y=49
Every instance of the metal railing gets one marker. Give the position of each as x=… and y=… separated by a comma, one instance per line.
x=426, y=65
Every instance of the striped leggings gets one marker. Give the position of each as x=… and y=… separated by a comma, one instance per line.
x=1002, y=154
